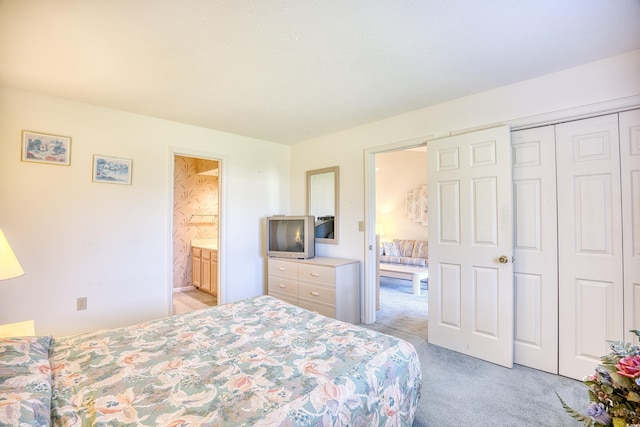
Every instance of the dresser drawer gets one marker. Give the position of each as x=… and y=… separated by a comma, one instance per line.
x=319, y=274
x=282, y=268
x=324, y=309
x=316, y=293
x=284, y=297
x=283, y=285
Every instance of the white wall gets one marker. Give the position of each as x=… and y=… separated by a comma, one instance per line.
x=397, y=173
x=111, y=243
x=598, y=82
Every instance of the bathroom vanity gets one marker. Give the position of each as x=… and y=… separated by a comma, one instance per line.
x=205, y=265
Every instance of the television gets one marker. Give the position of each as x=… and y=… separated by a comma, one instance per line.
x=290, y=236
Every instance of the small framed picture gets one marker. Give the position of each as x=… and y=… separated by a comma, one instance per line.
x=111, y=169
x=408, y=205
x=46, y=148
x=417, y=217
x=424, y=205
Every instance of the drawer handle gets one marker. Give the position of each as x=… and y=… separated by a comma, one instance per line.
x=315, y=274
x=280, y=285
x=282, y=269
x=315, y=294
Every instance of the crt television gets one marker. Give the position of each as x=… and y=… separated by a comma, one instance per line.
x=291, y=236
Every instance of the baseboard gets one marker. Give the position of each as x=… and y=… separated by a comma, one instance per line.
x=184, y=289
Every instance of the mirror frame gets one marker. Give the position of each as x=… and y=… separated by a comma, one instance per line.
x=336, y=203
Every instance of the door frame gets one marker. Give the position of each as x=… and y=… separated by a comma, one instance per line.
x=222, y=205
x=368, y=298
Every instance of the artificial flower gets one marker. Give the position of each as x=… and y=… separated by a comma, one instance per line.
x=614, y=389
x=629, y=366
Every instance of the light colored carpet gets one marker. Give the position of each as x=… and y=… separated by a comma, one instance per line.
x=459, y=390
x=402, y=311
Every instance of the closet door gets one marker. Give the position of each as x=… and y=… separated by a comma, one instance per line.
x=535, y=248
x=630, y=172
x=589, y=242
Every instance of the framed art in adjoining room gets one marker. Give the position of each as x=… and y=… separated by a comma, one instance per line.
x=424, y=205
x=408, y=205
x=46, y=148
x=417, y=216
x=111, y=170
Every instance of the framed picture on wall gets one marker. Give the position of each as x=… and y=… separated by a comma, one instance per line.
x=416, y=206
x=111, y=170
x=46, y=148
x=424, y=205
x=408, y=205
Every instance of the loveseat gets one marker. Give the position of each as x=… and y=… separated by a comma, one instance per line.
x=414, y=253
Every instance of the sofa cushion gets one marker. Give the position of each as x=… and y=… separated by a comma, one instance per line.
x=388, y=259
x=404, y=260
x=391, y=249
x=405, y=246
x=415, y=262
x=420, y=249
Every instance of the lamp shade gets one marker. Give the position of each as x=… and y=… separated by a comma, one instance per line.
x=9, y=265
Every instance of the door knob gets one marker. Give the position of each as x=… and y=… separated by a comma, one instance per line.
x=503, y=259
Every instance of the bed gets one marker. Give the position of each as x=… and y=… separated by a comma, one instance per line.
x=258, y=362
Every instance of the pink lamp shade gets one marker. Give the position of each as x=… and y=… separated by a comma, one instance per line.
x=9, y=265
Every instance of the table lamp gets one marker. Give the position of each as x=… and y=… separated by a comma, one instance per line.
x=9, y=265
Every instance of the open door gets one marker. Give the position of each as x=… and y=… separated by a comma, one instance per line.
x=470, y=245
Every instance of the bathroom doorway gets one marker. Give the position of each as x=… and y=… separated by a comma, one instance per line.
x=195, y=234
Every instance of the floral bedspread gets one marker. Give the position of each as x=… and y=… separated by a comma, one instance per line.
x=25, y=381
x=258, y=362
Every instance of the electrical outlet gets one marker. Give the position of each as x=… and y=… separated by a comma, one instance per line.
x=81, y=303
x=360, y=225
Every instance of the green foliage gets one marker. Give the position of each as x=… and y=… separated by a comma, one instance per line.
x=588, y=422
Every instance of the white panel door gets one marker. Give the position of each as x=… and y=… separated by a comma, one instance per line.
x=535, y=248
x=470, y=290
x=589, y=242
x=630, y=172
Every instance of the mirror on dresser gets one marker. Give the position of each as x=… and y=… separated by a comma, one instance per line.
x=322, y=202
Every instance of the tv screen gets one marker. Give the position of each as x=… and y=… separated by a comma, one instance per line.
x=287, y=235
x=290, y=236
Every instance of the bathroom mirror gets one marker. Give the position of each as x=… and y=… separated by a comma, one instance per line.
x=322, y=202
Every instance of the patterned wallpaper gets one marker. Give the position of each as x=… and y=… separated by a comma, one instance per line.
x=193, y=195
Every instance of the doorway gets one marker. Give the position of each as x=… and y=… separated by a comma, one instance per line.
x=385, y=179
x=401, y=219
x=195, y=232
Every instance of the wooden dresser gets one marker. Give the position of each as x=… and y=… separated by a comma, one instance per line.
x=329, y=286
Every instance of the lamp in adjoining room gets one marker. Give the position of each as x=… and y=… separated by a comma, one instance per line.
x=9, y=265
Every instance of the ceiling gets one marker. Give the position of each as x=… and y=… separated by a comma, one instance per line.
x=293, y=70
